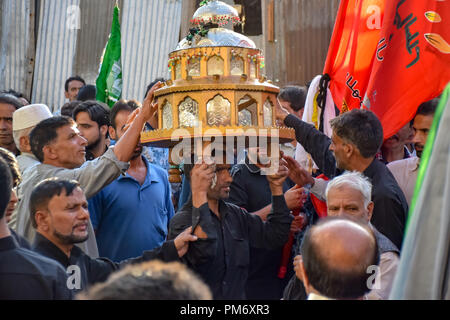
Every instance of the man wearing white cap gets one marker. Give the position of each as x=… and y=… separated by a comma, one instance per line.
x=24, y=120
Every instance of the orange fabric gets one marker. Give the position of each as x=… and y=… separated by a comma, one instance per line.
x=412, y=64
x=352, y=49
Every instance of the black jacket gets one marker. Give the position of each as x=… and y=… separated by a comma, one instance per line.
x=222, y=260
x=96, y=270
x=250, y=190
x=24, y=274
x=390, y=206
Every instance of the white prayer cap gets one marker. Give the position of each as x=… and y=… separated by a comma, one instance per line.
x=30, y=116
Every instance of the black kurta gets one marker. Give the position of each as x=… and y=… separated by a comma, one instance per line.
x=24, y=275
x=390, y=206
x=98, y=270
x=222, y=260
x=250, y=190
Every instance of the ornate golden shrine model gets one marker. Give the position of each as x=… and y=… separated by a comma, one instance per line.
x=216, y=85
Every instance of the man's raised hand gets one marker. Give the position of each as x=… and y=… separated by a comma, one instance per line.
x=149, y=106
x=297, y=174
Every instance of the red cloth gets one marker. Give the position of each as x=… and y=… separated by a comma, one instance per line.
x=389, y=57
x=319, y=205
x=352, y=49
x=415, y=64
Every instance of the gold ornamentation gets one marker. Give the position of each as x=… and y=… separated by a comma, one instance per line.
x=178, y=70
x=215, y=66
x=218, y=111
x=193, y=68
x=167, y=117
x=237, y=66
x=188, y=113
x=268, y=113
x=252, y=69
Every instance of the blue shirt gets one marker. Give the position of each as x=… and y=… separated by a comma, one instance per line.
x=130, y=218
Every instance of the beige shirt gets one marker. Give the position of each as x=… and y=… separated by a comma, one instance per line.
x=92, y=176
x=405, y=172
x=26, y=160
x=388, y=267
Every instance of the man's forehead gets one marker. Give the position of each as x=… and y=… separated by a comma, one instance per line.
x=67, y=130
x=347, y=192
x=83, y=116
x=76, y=196
x=6, y=107
x=75, y=84
x=423, y=121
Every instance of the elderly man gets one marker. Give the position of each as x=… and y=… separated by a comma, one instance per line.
x=8, y=105
x=24, y=120
x=356, y=138
x=57, y=144
x=349, y=196
x=59, y=212
x=340, y=273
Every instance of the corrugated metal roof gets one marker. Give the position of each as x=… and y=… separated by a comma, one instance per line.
x=307, y=27
x=55, y=52
x=14, y=42
x=150, y=31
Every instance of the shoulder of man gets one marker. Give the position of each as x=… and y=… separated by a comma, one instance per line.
x=236, y=169
x=47, y=266
x=157, y=170
x=384, y=244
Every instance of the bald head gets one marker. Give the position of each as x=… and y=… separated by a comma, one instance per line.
x=336, y=255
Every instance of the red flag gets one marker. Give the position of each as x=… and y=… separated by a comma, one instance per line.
x=352, y=50
x=412, y=62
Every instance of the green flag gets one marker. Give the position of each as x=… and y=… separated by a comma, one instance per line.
x=109, y=81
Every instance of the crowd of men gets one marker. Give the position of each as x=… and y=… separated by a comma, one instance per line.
x=87, y=212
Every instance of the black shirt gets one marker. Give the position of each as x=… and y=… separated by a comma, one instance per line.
x=21, y=241
x=390, y=206
x=96, y=270
x=222, y=260
x=24, y=274
x=250, y=190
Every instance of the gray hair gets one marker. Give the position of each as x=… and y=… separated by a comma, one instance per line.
x=354, y=180
x=17, y=134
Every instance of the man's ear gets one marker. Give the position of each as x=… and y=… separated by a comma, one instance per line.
x=349, y=149
x=304, y=277
x=49, y=153
x=66, y=94
x=112, y=133
x=370, y=210
x=42, y=218
x=24, y=143
x=104, y=130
